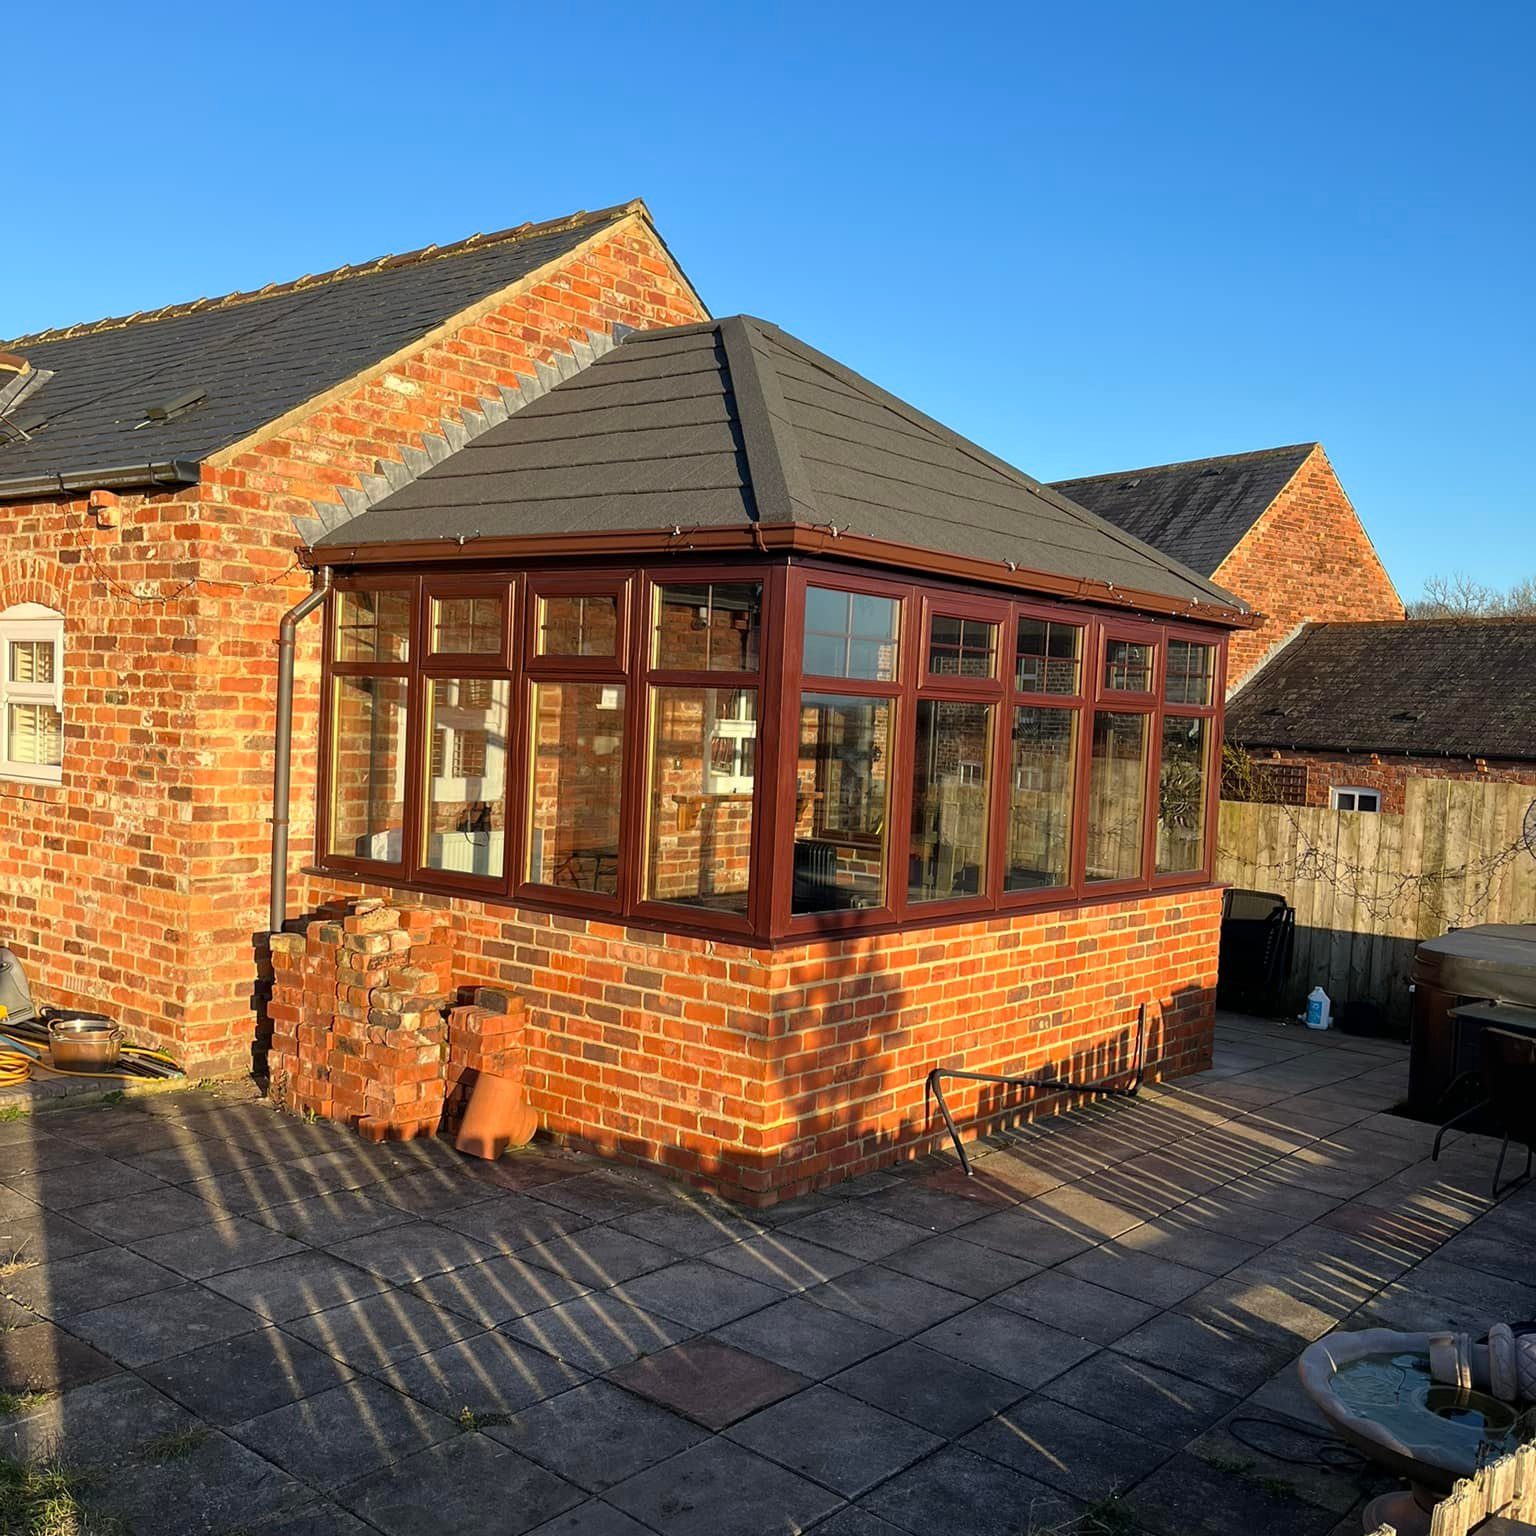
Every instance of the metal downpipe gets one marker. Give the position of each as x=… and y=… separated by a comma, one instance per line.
x=287, y=632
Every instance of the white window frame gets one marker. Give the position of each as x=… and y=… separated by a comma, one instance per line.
x=1336, y=793
x=30, y=621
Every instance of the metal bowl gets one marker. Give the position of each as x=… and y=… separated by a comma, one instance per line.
x=84, y=1045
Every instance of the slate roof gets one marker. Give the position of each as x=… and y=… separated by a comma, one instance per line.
x=1461, y=687
x=1197, y=511
x=734, y=422
x=255, y=356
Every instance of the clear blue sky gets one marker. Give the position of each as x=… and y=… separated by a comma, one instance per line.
x=1092, y=237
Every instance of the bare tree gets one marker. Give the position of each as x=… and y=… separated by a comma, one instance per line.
x=1460, y=597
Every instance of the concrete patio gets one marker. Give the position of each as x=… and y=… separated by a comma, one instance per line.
x=245, y=1323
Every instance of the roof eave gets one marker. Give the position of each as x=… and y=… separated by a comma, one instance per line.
x=159, y=474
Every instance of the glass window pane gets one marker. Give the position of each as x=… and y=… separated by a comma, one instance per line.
x=576, y=786
x=840, y=802
x=709, y=626
x=1181, y=799
x=961, y=647
x=32, y=661
x=466, y=817
x=368, y=769
x=951, y=785
x=578, y=626
x=1048, y=658
x=1127, y=666
x=1191, y=669
x=1117, y=789
x=1040, y=799
x=703, y=769
x=851, y=634
x=34, y=735
x=373, y=626
x=467, y=626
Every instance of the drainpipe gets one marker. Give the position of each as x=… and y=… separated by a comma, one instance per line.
x=287, y=632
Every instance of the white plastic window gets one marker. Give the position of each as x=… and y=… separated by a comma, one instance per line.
x=1347, y=798
x=31, y=693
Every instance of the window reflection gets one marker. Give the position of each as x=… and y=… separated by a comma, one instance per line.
x=841, y=785
x=851, y=634
x=1117, y=792
x=577, y=786
x=951, y=784
x=368, y=769
x=1040, y=799
x=1181, y=795
x=578, y=625
x=467, y=775
x=708, y=627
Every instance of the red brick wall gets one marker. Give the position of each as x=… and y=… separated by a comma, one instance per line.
x=1391, y=774
x=140, y=882
x=764, y=1073
x=1308, y=558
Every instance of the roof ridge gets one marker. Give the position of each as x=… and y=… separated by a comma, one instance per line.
x=1215, y=458
x=476, y=242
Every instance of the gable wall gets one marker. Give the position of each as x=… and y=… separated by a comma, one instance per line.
x=1308, y=558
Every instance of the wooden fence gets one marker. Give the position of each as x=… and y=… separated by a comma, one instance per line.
x=1368, y=886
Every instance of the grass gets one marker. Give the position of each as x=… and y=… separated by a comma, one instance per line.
x=15, y=1112
x=12, y=1403
x=17, y=1262
x=174, y=1447
x=44, y=1500
x=1106, y=1517
x=469, y=1421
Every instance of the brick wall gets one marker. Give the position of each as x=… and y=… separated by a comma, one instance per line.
x=764, y=1073
x=1308, y=558
x=1390, y=775
x=139, y=883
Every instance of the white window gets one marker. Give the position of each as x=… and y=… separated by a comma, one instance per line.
x=1346, y=798
x=31, y=693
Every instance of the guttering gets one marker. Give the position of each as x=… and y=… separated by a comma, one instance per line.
x=797, y=538
x=287, y=632
x=60, y=483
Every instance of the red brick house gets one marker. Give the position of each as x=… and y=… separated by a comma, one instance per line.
x=1274, y=527
x=1346, y=714
x=773, y=742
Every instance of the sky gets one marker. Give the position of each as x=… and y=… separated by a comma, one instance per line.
x=1091, y=237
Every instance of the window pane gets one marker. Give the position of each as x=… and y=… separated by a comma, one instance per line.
x=368, y=769
x=576, y=786
x=1048, y=659
x=951, y=782
x=840, y=802
x=1127, y=666
x=1191, y=668
x=703, y=768
x=35, y=735
x=1117, y=787
x=32, y=661
x=850, y=634
x=709, y=627
x=373, y=626
x=961, y=647
x=467, y=780
x=1040, y=799
x=1181, y=785
x=578, y=626
x=467, y=626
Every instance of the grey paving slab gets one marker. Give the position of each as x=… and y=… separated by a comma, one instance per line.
x=336, y=1437
x=956, y=1490
x=898, y=1303
x=318, y=1519
x=42, y=1358
x=1197, y=1247
x=1140, y=1397
x=144, y=1329
x=722, y=1489
x=28, y=1160
x=1008, y=1344
x=76, y=1181
x=432, y=1192
x=375, y=1331
x=1283, y=1454
x=836, y=1440
x=690, y=1228
x=1074, y=1452
x=508, y=1222
x=251, y=1373
x=949, y=1261
x=698, y=1295
x=94, y=1425
x=933, y=1210
x=184, y=1162
x=596, y=1332
x=411, y=1252
x=1186, y=1494
x=785, y=1262
x=1076, y=1306
x=602, y=1195
x=598, y=1256
x=468, y=1486
x=1144, y=1276
x=594, y=1517
x=296, y=1285
x=330, y=1217
x=216, y=1247
x=934, y=1391
x=33, y=1235
x=1200, y=1351
x=146, y=1214
x=1282, y=1312
x=814, y=1341
x=1029, y=1237
x=497, y=1290
x=86, y=1281
x=596, y=1435
x=707, y=1381
x=854, y=1228
x=854, y=1521
x=486, y=1373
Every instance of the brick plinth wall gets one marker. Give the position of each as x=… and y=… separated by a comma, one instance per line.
x=766, y=1073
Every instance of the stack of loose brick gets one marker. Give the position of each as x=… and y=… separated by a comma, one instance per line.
x=357, y=1018
x=487, y=1035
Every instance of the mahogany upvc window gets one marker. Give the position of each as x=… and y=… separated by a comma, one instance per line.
x=765, y=751
x=32, y=693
